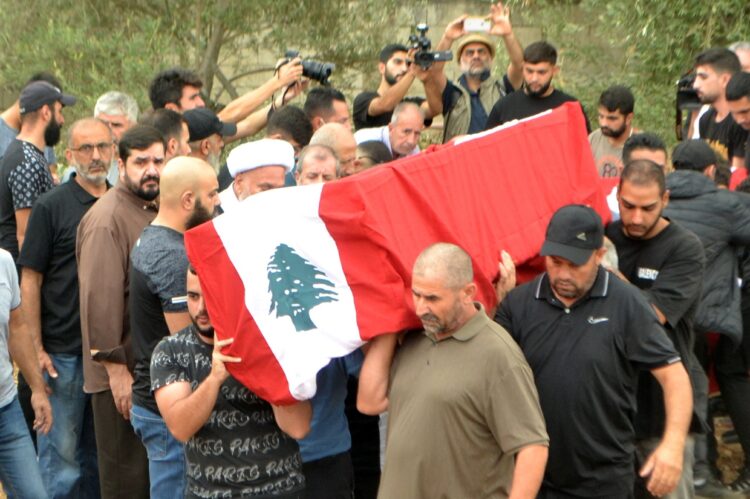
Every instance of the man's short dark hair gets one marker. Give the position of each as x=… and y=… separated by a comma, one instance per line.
x=643, y=172
x=723, y=174
x=375, y=150
x=738, y=87
x=168, y=122
x=645, y=140
x=167, y=86
x=291, y=121
x=390, y=49
x=618, y=98
x=45, y=76
x=720, y=60
x=320, y=101
x=540, y=51
x=139, y=137
x=744, y=186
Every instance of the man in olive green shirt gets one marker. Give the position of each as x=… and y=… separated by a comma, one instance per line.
x=464, y=416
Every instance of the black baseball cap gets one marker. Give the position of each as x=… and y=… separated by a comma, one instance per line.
x=693, y=154
x=202, y=123
x=38, y=93
x=574, y=233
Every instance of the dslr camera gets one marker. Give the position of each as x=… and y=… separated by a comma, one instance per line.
x=423, y=56
x=315, y=70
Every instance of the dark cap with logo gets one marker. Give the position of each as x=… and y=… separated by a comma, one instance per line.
x=694, y=154
x=39, y=93
x=202, y=123
x=574, y=233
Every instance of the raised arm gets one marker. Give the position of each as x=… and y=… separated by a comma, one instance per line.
x=372, y=396
x=241, y=107
x=186, y=411
x=501, y=26
x=294, y=420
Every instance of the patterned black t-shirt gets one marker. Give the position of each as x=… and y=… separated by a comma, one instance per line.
x=24, y=176
x=240, y=451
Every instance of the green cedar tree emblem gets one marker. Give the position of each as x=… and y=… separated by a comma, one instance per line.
x=296, y=286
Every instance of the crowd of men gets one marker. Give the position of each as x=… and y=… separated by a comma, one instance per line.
x=591, y=380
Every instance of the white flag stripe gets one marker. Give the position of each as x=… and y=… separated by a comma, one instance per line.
x=291, y=215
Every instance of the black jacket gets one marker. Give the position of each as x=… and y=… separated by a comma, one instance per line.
x=722, y=223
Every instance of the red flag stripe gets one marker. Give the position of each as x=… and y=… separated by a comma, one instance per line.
x=225, y=298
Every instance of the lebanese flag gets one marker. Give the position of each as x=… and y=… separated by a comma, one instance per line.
x=304, y=274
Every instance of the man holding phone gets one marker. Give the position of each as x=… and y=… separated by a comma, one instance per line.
x=466, y=102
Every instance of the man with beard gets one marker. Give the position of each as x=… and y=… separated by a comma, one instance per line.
x=189, y=196
x=397, y=73
x=256, y=167
x=586, y=336
x=341, y=140
x=24, y=174
x=105, y=237
x=666, y=262
x=237, y=444
x=49, y=292
x=538, y=94
x=206, y=135
x=713, y=70
x=616, y=105
x=464, y=417
x=10, y=122
x=466, y=102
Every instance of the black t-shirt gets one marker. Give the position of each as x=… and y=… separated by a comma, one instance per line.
x=240, y=451
x=726, y=137
x=50, y=249
x=668, y=268
x=157, y=285
x=585, y=361
x=362, y=119
x=518, y=105
x=24, y=176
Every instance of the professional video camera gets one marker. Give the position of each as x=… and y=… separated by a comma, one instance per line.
x=315, y=70
x=687, y=97
x=423, y=56
x=687, y=101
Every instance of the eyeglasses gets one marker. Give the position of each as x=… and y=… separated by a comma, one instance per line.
x=88, y=149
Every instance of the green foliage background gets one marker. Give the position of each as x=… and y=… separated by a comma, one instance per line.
x=99, y=45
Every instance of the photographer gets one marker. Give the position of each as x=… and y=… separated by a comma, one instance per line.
x=466, y=103
x=179, y=89
x=397, y=73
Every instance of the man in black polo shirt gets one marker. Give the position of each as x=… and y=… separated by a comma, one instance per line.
x=666, y=262
x=188, y=196
x=49, y=293
x=538, y=93
x=585, y=335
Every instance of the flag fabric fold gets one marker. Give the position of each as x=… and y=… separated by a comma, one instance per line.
x=301, y=275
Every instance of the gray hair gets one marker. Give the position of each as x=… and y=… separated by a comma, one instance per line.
x=320, y=152
x=118, y=104
x=403, y=106
x=736, y=46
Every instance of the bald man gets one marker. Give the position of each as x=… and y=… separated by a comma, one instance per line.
x=189, y=196
x=464, y=416
x=341, y=139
